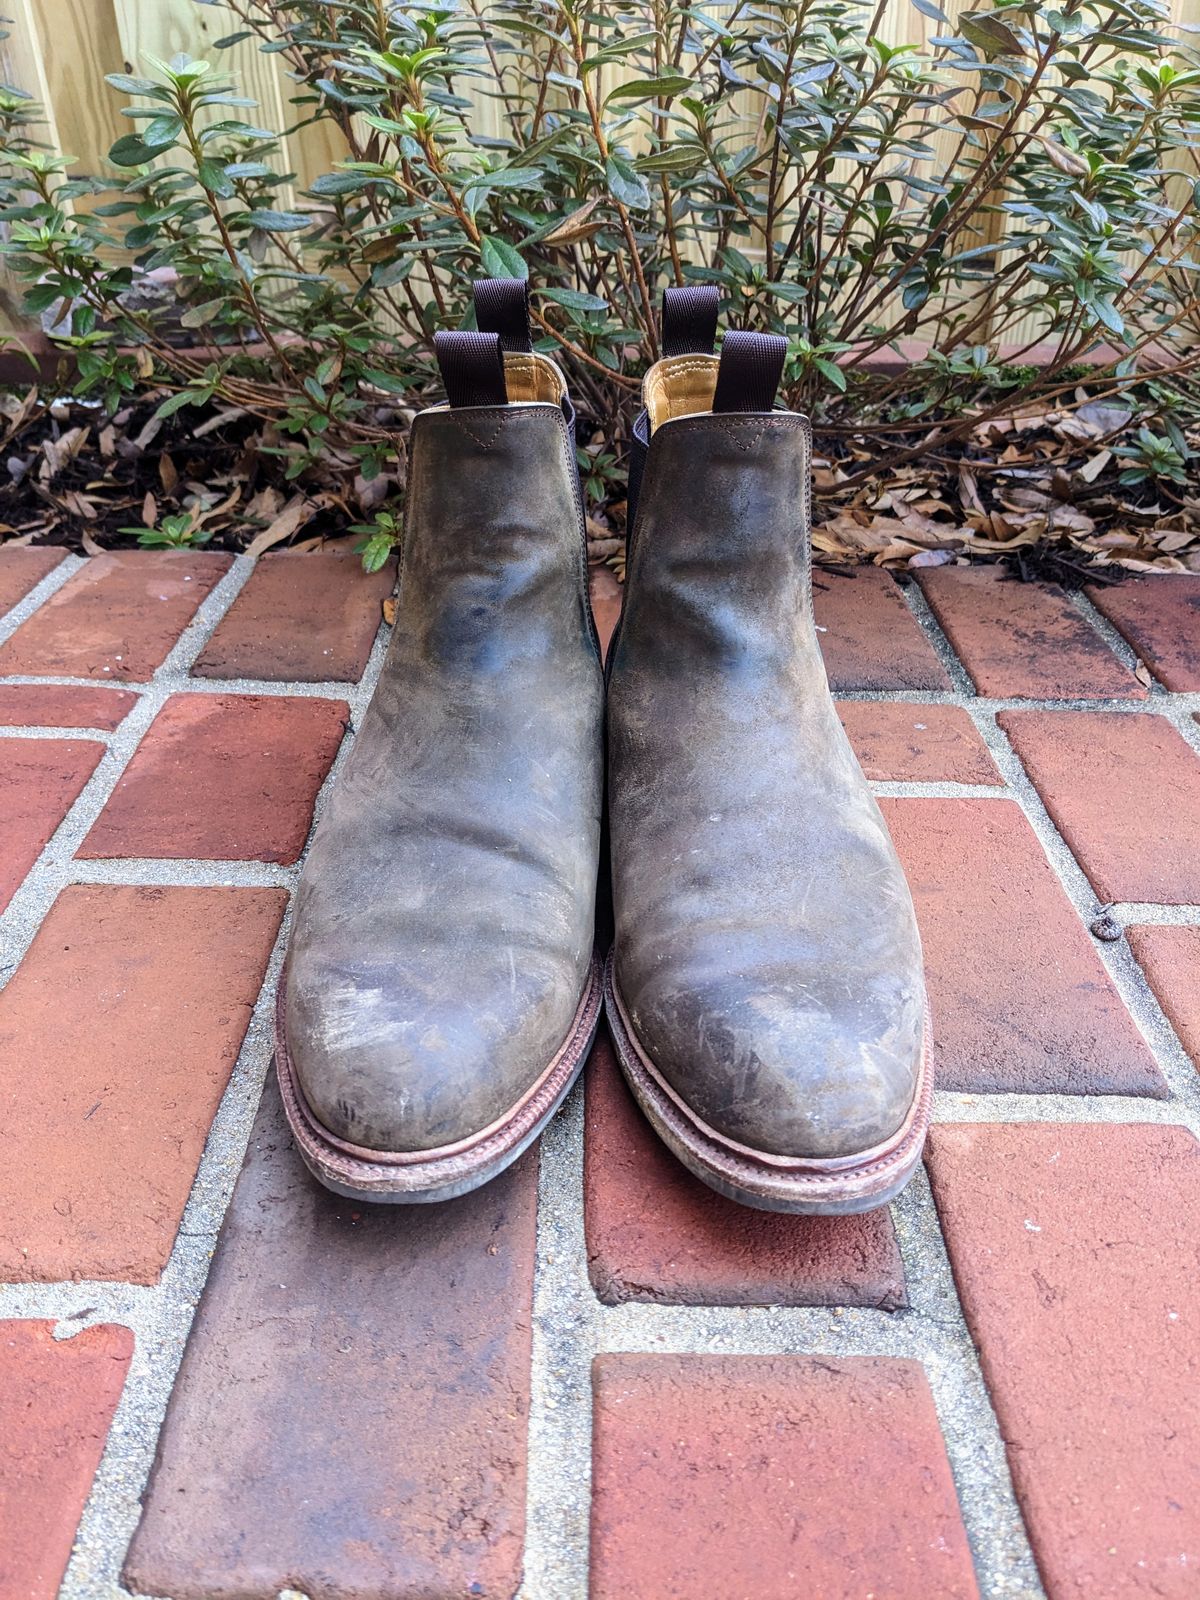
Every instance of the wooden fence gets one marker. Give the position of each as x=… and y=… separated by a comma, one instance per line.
x=58, y=51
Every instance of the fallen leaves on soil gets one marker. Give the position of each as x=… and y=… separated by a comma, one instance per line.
x=1041, y=491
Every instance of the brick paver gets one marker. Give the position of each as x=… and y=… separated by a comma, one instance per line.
x=22, y=569
x=895, y=742
x=40, y=780
x=654, y=1232
x=51, y=705
x=350, y=1417
x=301, y=617
x=1160, y=617
x=730, y=1477
x=1021, y=1001
x=118, y=1033
x=117, y=617
x=1170, y=958
x=1078, y=1277
x=1125, y=794
x=869, y=638
x=1024, y=639
x=223, y=777
x=57, y=1397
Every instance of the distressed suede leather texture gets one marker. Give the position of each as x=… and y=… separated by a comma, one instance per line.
x=444, y=919
x=767, y=954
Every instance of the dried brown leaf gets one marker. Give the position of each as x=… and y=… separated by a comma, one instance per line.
x=295, y=514
x=576, y=226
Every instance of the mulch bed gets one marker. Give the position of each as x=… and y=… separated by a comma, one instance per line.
x=1041, y=492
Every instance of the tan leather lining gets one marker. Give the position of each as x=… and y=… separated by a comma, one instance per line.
x=532, y=378
x=679, y=386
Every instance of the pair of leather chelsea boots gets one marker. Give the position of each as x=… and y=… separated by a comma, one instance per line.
x=764, y=987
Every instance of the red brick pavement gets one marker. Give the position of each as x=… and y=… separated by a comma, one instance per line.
x=775, y=1476
x=1024, y=640
x=1078, y=1276
x=353, y=1409
x=223, y=777
x=57, y=1397
x=118, y=617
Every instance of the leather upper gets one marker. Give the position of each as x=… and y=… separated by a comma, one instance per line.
x=444, y=919
x=766, y=952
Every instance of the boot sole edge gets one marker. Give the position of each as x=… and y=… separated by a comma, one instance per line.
x=428, y=1177
x=813, y=1188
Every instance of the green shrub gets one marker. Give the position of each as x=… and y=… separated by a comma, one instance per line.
x=1030, y=162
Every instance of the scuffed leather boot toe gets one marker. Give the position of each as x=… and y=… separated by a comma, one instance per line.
x=394, y=1062
x=441, y=988
x=780, y=1067
x=765, y=988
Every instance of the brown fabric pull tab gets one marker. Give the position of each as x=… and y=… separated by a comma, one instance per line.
x=502, y=307
x=689, y=319
x=472, y=368
x=750, y=370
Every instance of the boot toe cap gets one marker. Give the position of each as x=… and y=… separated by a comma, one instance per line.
x=784, y=1069
x=385, y=1068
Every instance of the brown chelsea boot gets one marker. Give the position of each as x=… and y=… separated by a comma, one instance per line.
x=765, y=987
x=440, y=990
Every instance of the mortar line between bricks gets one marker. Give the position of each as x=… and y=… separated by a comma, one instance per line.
x=1113, y=638
x=571, y=1327
x=182, y=683
x=159, y=1315
x=1131, y=913
x=1177, y=1068
x=192, y=873
x=56, y=866
x=569, y=1324
x=1169, y=706
x=914, y=598
x=208, y=614
x=45, y=731
x=1182, y=1078
x=566, y=1336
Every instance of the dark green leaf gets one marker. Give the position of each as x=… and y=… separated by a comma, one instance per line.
x=176, y=402
x=127, y=85
x=501, y=259
x=625, y=183
x=574, y=299
x=215, y=179
x=988, y=33
x=133, y=151
x=277, y=221
x=664, y=88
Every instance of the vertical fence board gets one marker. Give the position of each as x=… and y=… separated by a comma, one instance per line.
x=78, y=44
x=167, y=28
x=23, y=66
x=59, y=50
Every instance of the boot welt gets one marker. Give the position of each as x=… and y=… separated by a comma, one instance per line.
x=425, y=1176
x=807, y=1186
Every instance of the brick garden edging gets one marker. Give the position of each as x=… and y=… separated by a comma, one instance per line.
x=1044, y=1165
